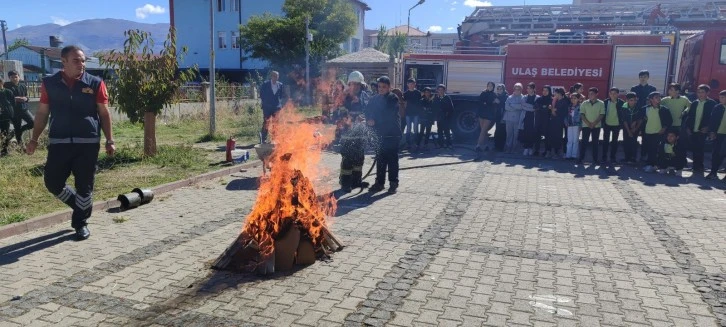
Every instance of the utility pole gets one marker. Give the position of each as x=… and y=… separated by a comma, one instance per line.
x=4, y=26
x=308, y=39
x=408, y=23
x=212, y=108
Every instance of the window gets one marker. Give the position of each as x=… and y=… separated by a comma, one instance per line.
x=355, y=46
x=235, y=40
x=414, y=41
x=221, y=5
x=234, y=4
x=222, y=36
x=436, y=43
x=723, y=52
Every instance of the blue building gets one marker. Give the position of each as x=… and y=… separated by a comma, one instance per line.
x=190, y=18
x=39, y=61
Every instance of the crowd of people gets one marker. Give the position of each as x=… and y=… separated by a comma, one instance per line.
x=13, y=111
x=552, y=123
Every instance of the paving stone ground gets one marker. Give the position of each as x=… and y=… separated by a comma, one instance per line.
x=503, y=241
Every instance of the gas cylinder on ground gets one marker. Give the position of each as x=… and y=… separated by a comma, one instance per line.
x=231, y=143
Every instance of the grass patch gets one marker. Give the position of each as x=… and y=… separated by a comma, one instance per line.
x=120, y=219
x=23, y=194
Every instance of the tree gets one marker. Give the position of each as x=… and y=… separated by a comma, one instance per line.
x=145, y=82
x=17, y=43
x=281, y=40
x=394, y=44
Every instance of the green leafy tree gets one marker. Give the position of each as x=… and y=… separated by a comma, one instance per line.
x=144, y=81
x=17, y=43
x=392, y=44
x=281, y=40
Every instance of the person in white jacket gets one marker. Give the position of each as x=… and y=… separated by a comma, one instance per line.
x=513, y=116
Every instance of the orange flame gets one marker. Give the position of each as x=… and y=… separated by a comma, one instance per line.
x=286, y=195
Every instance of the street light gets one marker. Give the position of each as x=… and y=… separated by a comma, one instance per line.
x=4, y=27
x=408, y=25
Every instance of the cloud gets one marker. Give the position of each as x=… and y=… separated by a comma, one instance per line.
x=60, y=21
x=477, y=3
x=449, y=28
x=455, y=2
x=452, y=8
x=147, y=9
x=18, y=26
x=434, y=28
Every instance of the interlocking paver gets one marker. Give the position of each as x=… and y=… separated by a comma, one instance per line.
x=512, y=242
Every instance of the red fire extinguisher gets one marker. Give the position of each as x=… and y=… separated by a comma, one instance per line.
x=230, y=146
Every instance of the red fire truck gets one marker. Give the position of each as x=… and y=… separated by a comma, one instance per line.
x=608, y=62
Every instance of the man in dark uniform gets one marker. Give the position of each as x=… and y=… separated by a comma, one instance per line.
x=643, y=90
x=6, y=116
x=382, y=115
x=271, y=95
x=696, y=121
x=77, y=103
x=21, y=106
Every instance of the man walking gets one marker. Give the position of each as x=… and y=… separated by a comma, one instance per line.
x=77, y=103
x=271, y=95
x=6, y=116
x=21, y=106
x=382, y=115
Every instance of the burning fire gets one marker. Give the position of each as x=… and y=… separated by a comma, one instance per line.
x=286, y=197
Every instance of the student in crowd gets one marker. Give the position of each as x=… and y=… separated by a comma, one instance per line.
x=676, y=103
x=512, y=116
x=611, y=128
x=575, y=88
x=528, y=128
x=7, y=99
x=696, y=122
x=556, y=123
x=718, y=135
x=671, y=155
x=632, y=118
x=592, y=113
x=657, y=121
x=573, y=124
x=643, y=90
x=412, y=96
x=486, y=112
x=543, y=111
x=500, y=132
x=427, y=118
x=443, y=105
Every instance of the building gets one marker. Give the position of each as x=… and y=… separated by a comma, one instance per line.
x=418, y=39
x=190, y=18
x=39, y=61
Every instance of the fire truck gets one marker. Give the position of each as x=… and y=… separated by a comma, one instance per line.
x=601, y=53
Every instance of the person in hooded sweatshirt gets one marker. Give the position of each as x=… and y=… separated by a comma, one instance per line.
x=543, y=107
x=513, y=116
x=500, y=129
x=528, y=130
x=486, y=112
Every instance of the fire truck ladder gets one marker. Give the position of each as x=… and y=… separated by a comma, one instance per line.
x=595, y=17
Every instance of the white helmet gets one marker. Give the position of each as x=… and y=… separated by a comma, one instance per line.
x=356, y=76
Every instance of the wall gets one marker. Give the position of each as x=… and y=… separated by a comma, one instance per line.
x=29, y=57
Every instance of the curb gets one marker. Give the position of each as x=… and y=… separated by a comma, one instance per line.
x=65, y=215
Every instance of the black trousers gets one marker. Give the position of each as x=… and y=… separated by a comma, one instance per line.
x=4, y=134
x=266, y=115
x=387, y=160
x=553, y=139
x=79, y=160
x=630, y=143
x=650, y=144
x=351, y=164
x=610, y=141
x=697, y=145
x=20, y=117
x=676, y=162
x=425, y=132
x=717, y=155
x=589, y=136
x=444, y=130
x=500, y=136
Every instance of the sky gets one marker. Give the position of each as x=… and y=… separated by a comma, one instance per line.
x=432, y=15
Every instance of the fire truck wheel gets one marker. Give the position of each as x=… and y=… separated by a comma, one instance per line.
x=466, y=122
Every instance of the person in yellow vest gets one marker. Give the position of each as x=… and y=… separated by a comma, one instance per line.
x=592, y=113
x=611, y=128
x=677, y=104
x=696, y=124
x=657, y=121
x=671, y=155
x=718, y=135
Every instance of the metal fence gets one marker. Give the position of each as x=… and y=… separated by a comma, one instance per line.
x=33, y=88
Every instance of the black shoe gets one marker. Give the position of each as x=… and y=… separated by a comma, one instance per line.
x=376, y=188
x=347, y=189
x=364, y=185
x=393, y=188
x=712, y=175
x=82, y=233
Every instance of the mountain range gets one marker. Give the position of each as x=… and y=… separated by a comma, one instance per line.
x=91, y=34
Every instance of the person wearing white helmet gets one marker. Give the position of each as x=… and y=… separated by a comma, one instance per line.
x=353, y=134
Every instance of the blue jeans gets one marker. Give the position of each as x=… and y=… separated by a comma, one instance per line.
x=412, y=127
